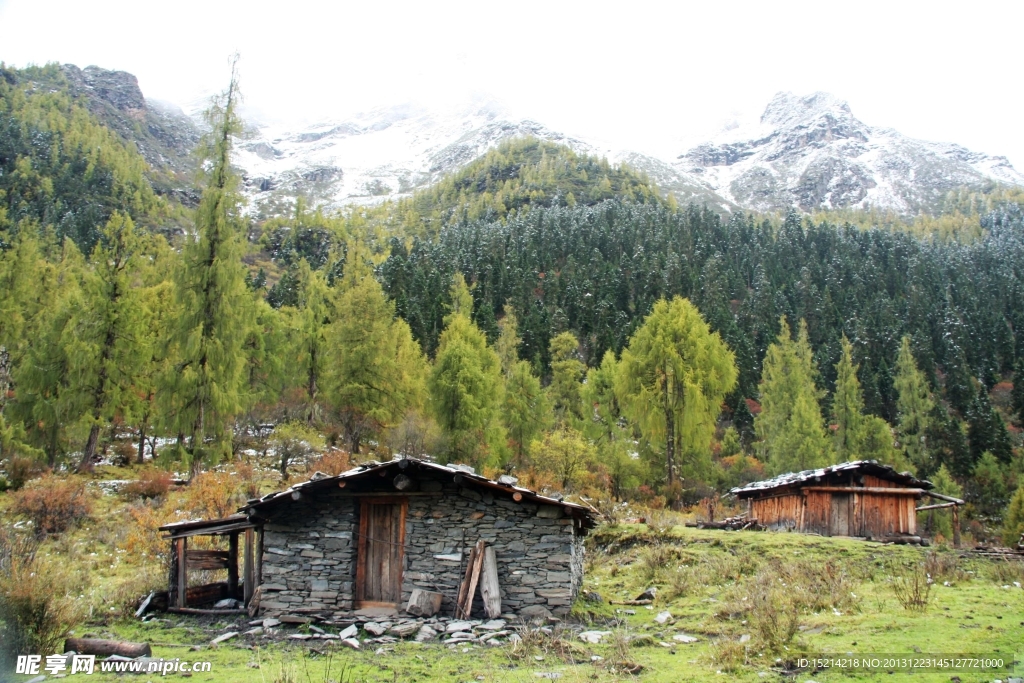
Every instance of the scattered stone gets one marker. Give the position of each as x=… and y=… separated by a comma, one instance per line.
x=552, y=675
x=535, y=612
x=300, y=636
x=375, y=629
x=316, y=629
x=425, y=633
x=267, y=623
x=596, y=658
x=663, y=617
x=349, y=632
x=404, y=630
x=458, y=626
x=745, y=638
x=683, y=638
x=350, y=642
x=648, y=594
x=225, y=636
x=424, y=603
x=226, y=603
x=492, y=625
x=254, y=631
x=594, y=637
x=594, y=597
x=295, y=619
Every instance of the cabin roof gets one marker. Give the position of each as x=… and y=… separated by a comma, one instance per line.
x=505, y=484
x=795, y=479
x=209, y=527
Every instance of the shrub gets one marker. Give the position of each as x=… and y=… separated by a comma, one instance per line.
x=249, y=479
x=53, y=503
x=35, y=611
x=150, y=484
x=333, y=462
x=143, y=538
x=774, y=613
x=21, y=469
x=212, y=495
x=911, y=585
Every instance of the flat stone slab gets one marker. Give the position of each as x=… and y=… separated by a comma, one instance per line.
x=458, y=626
x=268, y=623
x=683, y=638
x=223, y=637
x=594, y=637
x=375, y=629
x=663, y=617
x=492, y=625
x=425, y=633
x=295, y=619
x=404, y=630
x=349, y=632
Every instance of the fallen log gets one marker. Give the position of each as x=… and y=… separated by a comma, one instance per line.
x=630, y=602
x=197, y=610
x=99, y=647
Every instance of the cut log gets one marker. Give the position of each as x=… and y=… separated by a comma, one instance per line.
x=630, y=602
x=96, y=646
x=424, y=603
x=489, y=589
x=517, y=497
x=254, y=601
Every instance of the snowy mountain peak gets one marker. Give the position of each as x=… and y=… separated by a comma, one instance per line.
x=812, y=152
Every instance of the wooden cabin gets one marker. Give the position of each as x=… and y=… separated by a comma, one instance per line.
x=861, y=499
x=371, y=537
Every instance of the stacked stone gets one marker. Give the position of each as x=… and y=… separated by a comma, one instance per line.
x=309, y=549
x=308, y=555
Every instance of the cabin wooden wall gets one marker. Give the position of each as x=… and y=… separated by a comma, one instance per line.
x=840, y=514
x=778, y=512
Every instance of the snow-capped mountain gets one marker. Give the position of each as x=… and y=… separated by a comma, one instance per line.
x=392, y=151
x=812, y=152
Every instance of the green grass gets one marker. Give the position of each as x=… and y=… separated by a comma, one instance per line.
x=707, y=580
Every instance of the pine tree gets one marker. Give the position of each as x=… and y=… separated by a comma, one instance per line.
x=465, y=383
x=375, y=371
x=206, y=380
x=847, y=406
x=526, y=410
x=940, y=521
x=564, y=453
x=789, y=427
x=507, y=344
x=914, y=406
x=566, y=375
x=106, y=348
x=1018, y=391
x=312, y=322
x=988, y=485
x=1013, y=520
x=672, y=379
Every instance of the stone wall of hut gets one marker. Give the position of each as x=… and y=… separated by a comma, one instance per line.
x=310, y=545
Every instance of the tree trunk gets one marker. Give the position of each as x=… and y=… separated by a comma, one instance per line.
x=142, y=442
x=90, y=448
x=670, y=446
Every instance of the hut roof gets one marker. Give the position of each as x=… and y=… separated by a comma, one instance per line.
x=795, y=479
x=505, y=484
x=208, y=527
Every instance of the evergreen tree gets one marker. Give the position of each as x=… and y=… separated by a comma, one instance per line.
x=914, y=407
x=376, y=370
x=789, y=427
x=1013, y=520
x=465, y=383
x=526, y=410
x=313, y=319
x=107, y=344
x=566, y=375
x=1018, y=391
x=988, y=486
x=564, y=453
x=507, y=344
x=672, y=379
x=986, y=430
x=206, y=379
x=940, y=521
x=847, y=407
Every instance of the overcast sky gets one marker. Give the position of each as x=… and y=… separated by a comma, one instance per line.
x=636, y=74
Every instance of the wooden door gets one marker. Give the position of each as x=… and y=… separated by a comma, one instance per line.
x=379, y=563
x=839, y=523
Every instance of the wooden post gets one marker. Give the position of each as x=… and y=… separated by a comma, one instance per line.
x=182, y=570
x=258, y=560
x=247, y=576
x=956, y=526
x=489, y=589
x=233, y=565
x=172, y=575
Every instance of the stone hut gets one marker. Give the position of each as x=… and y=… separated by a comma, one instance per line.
x=369, y=537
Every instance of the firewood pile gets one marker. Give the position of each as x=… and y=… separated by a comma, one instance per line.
x=738, y=523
